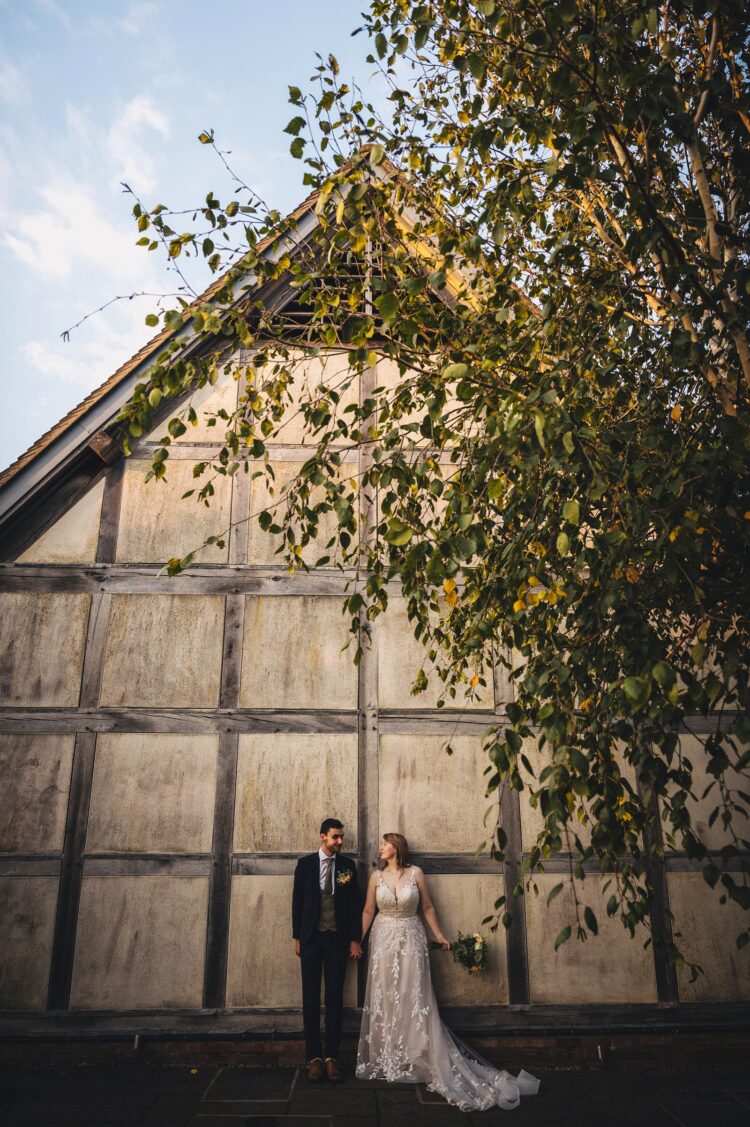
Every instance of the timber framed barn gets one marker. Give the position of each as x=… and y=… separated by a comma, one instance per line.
x=168, y=748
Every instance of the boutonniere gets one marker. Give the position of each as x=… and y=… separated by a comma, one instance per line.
x=344, y=877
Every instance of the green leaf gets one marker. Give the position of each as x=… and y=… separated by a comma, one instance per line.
x=297, y=147
x=568, y=442
x=456, y=372
x=563, y=937
x=377, y=154
x=387, y=306
x=637, y=690
x=590, y=920
x=664, y=675
x=539, y=427
x=562, y=544
x=152, y=320
x=612, y=905
x=572, y=512
x=554, y=892
x=398, y=533
x=295, y=125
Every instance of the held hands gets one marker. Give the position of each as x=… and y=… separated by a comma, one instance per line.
x=444, y=943
x=355, y=950
x=297, y=948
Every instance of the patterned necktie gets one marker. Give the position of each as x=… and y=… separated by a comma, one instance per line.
x=328, y=883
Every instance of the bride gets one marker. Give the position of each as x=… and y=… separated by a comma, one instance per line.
x=402, y=1037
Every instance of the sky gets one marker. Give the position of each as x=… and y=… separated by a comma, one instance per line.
x=94, y=92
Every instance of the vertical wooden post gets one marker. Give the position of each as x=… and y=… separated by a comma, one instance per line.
x=516, y=949
x=84, y=754
x=661, y=927
x=220, y=880
x=368, y=727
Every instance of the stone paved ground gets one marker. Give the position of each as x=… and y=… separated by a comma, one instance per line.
x=157, y=1095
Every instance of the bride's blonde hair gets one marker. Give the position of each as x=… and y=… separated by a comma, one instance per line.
x=401, y=845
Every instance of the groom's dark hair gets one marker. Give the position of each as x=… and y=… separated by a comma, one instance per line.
x=331, y=824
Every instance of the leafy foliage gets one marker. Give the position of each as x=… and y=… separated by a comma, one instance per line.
x=548, y=242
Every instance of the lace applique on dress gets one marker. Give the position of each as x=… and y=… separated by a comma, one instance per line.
x=402, y=1038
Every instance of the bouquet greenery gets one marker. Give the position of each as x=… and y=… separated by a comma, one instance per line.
x=469, y=951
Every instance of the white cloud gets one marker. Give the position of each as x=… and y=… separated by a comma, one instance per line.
x=132, y=160
x=50, y=7
x=89, y=358
x=70, y=231
x=14, y=90
x=137, y=17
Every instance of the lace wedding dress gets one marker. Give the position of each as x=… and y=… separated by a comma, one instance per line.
x=402, y=1037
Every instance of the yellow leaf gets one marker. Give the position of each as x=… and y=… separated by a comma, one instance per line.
x=519, y=604
x=632, y=574
x=674, y=534
x=474, y=681
x=451, y=599
x=676, y=413
x=586, y=704
x=449, y=585
x=534, y=582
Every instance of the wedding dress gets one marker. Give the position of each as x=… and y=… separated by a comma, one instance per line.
x=402, y=1037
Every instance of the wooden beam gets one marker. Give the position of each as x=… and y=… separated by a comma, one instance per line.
x=84, y=753
x=661, y=926
x=142, y=865
x=515, y=935
x=106, y=550
x=368, y=738
x=207, y=579
x=220, y=880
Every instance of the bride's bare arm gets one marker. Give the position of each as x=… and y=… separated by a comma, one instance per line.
x=428, y=908
x=368, y=912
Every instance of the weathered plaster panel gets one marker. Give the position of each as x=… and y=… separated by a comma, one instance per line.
x=140, y=943
x=261, y=545
x=27, y=923
x=331, y=370
x=153, y=794
x=437, y=800
x=157, y=524
x=72, y=538
x=608, y=967
x=286, y=786
x=462, y=902
x=700, y=806
x=164, y=651
x=43, y=640
x=402, y=655
x=292, y=654
x=35, y=774
x=206, y=401
x=708, y=937
x=263, y=969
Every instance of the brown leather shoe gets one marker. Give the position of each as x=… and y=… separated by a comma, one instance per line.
x=333, y=1072
x=315, y=1071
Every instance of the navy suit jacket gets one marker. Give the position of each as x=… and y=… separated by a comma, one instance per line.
x=306, y=899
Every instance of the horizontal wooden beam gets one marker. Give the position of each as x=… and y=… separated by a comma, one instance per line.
x=146, y=865
x=143, y=579
x=204, y=720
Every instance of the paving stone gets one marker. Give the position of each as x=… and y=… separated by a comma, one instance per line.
x=252, y=1084
x=699, y=1113
x=327, y=1100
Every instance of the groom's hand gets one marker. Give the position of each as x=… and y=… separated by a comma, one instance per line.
x=297, y=948
x=355, y=950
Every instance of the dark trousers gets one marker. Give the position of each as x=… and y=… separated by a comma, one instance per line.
x=325, y=955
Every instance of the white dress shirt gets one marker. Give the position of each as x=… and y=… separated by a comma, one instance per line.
x=324, y=858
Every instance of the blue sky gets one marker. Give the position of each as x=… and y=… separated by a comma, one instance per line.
x=93, y=93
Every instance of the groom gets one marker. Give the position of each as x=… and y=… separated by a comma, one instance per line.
x=327, y=927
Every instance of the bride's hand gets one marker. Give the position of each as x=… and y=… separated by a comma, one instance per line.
x=444, y=943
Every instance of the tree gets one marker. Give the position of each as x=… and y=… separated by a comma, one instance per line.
x=549, y=238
